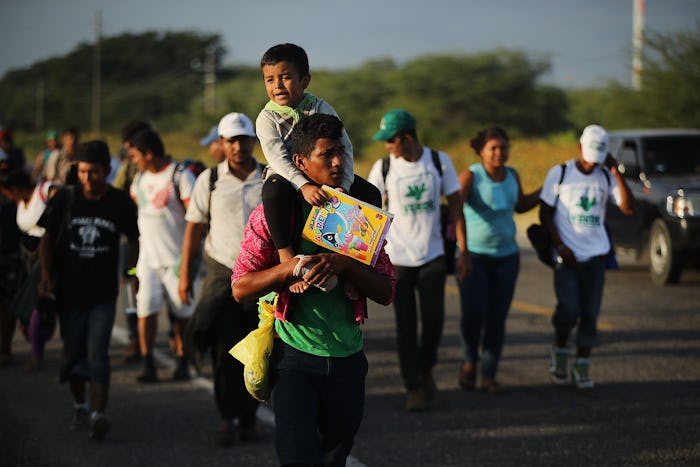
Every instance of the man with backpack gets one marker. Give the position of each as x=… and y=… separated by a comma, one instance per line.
x=162, y=190
x=412, y=184
x=572, y=209
x=79, y=258
x=223, y=198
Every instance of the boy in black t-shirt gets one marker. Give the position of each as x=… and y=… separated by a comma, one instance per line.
x=80, y=249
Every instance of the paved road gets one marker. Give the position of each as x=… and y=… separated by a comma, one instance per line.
x=645, y=409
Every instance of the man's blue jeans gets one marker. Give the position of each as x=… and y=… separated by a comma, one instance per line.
x=579, y=291
x=486, y=296
x=86, y=334
x=318, y=404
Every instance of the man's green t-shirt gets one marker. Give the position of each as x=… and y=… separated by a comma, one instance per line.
x=320, y=323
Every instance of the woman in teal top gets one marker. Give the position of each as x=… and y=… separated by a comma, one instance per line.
x=492, y=193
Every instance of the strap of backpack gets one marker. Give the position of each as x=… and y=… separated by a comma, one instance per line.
x=177, y=177
x=436, y=161
x=561, y=179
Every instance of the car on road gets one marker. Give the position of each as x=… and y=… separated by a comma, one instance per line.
x=662, y=169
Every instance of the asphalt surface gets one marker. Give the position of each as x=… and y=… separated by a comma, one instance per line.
x=644, y=410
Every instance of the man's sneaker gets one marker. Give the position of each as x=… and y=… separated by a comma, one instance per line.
x=558, y=367
x=182, y=372
x=80, y=420
x=580, y=373
x=415, y=400
x=99, y=426
x=148, y=375
x=429, y=387
x=132, y=353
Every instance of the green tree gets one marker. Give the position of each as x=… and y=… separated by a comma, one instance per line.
x=148, y=76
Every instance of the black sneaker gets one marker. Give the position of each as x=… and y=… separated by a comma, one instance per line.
x=80, y=420
x=149, y=374
x=99, y=426
x=182, y=372
x=226, y=434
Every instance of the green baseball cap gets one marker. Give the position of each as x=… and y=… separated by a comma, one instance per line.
x=393, y=122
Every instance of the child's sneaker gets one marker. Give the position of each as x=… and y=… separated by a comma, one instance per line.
x=99, y=426
x=580, y=373
x=300, y=271
x=558, y=367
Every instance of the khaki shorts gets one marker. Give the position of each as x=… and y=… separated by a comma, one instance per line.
x=157, y=285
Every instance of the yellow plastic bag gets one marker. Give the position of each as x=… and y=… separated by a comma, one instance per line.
x=254, y=350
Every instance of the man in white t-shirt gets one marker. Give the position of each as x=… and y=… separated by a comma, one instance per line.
x=223, y=200
x=572, y=210
x=413, y=188
x=162, y=207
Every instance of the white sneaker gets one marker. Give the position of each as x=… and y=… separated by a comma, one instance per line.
x=559, y=364
x=580, y=374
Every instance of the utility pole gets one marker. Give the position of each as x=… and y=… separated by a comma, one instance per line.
x=96, y=76
x=637, y=43
x=210, y=80
x=39, y=118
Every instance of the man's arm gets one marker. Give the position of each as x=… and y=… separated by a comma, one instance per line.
x=254, y=284
x=626, y=204
x=190, y=252
x=547, y=221
x=373, y=284
x=454, y=204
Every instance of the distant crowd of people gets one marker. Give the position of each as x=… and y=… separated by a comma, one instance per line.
x=205, y=245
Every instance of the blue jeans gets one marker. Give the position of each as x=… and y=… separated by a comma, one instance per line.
x=86, y=333
x=415, y=359
x=579, y=291
x=485, y=297
x=318, y=404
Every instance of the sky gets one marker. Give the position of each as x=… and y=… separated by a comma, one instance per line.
x=588, y=42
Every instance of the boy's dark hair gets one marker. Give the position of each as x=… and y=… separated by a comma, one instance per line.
x=312, y=128
x=287, y=53
x=73, y=130
x=479, y=141
x=133, y=127
x=15, y=178
x=148, y=140
x=93, y=152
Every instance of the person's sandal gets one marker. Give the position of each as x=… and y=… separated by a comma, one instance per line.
x=467, y=376
x=490, y=386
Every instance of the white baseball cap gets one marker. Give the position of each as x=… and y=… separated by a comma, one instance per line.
x=594, y=144
x=235, y=124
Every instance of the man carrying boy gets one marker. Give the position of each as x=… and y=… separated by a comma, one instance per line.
x=81, y=248
x=162, y=198
x=317, y=365
x=223, y=201
x=414, y=186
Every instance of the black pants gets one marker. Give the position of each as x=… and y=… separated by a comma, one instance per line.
x=280, y=199
x=226, y=322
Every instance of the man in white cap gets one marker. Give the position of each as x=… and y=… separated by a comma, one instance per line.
x=572, y=209
x=223, y=198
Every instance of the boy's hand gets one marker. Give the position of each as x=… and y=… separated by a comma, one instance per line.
x=313, y=194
